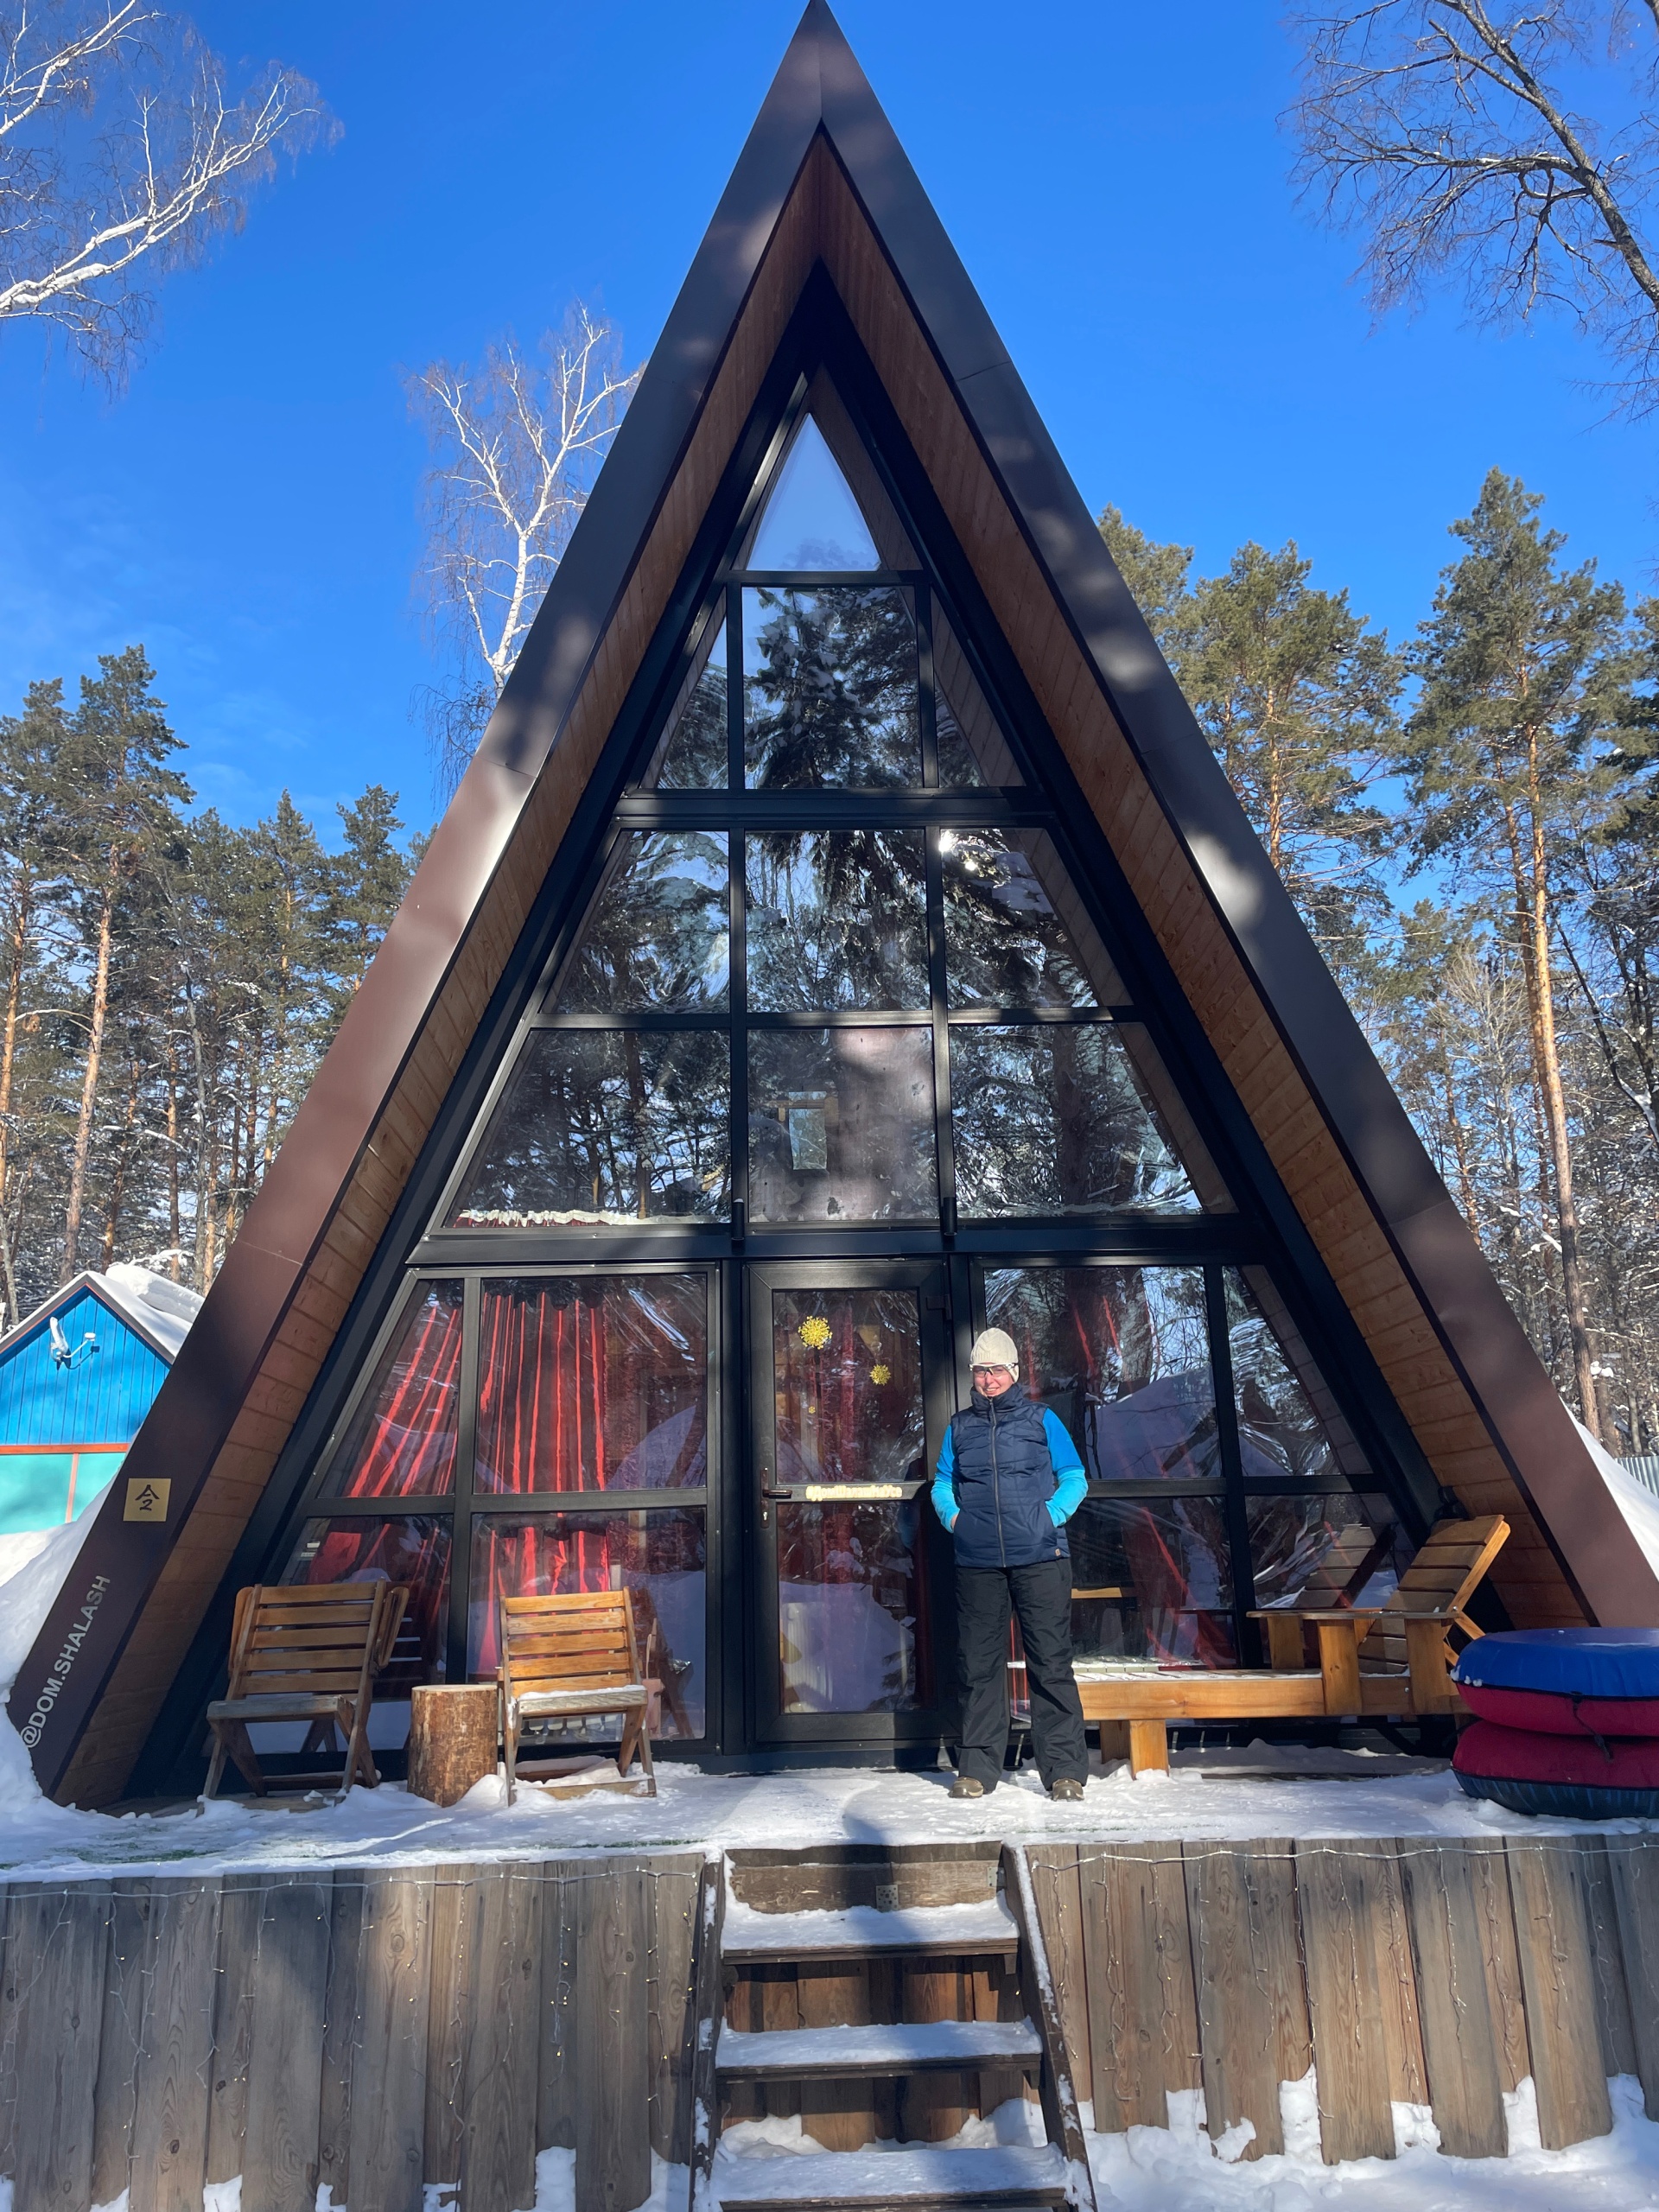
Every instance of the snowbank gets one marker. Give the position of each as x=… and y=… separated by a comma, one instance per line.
x=1635, y=1500
x=32, y=1569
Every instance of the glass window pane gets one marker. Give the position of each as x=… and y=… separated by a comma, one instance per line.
x=401, y=1440
x=659, y=1556
x=1122, y=1356
x=1053, y=1121
x=830, y=691
x=841, y=1125
x=1288, y=1422
x=811, y=519
x=600, y=1126
x=1005, y=943
x=1152, y=1580
x=593, y=1382
x=1339, y=1549
x=847, y=1382
x=658, y=932
x=837, y=919
x=973, y=751
x=413, y=1551
x=691, y=755
x=852, y=1632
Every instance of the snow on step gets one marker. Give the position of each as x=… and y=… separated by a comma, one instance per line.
x=981, y=1927
x=895, y=2048
x=1008, y=2175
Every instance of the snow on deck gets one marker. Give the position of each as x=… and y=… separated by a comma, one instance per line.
x=861, y=1927
x=693, y=1810
x=895, y=2046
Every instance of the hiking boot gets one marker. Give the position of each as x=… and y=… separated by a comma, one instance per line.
x=965, y=1786
x=1068, y=1789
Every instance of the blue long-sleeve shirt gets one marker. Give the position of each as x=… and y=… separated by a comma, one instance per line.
x=1072, y=1484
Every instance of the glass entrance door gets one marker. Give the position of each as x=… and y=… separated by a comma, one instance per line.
x=850, y=1392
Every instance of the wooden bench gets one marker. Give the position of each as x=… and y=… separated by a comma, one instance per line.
x=306, y=1652
x=1392, y=1661
x=568, y=1658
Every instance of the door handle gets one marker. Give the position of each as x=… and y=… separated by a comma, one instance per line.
x=767, y=1492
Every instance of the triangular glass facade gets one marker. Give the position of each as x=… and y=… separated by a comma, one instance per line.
x=831, y=1056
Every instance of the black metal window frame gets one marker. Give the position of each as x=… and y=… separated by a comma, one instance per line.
x=466, y=1502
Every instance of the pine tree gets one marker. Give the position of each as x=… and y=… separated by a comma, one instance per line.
x=367, y=883
x=1297, y=696
x=126, y=802
x=1157, y=575
x=1518, y=665
x=33, y=859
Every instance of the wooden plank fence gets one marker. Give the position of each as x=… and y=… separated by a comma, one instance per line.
x=368, y=2030
x=1405, y=1970
x=374, y=2031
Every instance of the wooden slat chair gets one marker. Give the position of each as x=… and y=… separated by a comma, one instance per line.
x=306, y=1652
x=1408, y=1640
x=1388, y=1661
x=570, y=1657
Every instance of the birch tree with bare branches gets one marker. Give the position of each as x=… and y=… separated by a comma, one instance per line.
x=516, y=444
x=122, y=154
x=1515, y=148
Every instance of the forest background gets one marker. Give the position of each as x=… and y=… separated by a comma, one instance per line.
x=1464, y=812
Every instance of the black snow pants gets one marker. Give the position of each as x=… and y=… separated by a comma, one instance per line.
x=1041, y=1596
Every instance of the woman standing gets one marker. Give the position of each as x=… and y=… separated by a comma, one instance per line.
x=1007, y=1481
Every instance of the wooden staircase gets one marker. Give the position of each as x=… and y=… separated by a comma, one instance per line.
x=889, y=2004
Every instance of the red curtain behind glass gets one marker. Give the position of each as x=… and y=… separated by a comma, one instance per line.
x=407, y=1447
x=542, y=1399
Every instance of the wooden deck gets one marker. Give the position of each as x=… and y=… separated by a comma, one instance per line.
x=375, y=2030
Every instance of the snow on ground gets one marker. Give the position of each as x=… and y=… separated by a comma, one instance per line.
x=693, y=1810
x=1179, y=2168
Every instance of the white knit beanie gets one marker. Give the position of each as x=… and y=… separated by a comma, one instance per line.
x=995, y=1348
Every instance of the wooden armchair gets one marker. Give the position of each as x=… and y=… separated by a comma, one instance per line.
x=310, y=1652
x=1407, y=1640
x=567, y=1658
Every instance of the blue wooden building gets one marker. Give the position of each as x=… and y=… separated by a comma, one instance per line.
x=77, y=1377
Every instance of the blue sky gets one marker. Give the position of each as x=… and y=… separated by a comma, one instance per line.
x=1113, y=178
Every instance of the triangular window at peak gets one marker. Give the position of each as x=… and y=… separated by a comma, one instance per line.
x=810, y=519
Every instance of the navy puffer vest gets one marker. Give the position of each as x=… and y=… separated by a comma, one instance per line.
x=1004, y=1479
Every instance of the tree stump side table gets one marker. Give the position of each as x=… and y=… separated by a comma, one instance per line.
x=454, y=1732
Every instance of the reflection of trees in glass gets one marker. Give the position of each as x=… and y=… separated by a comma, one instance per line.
x=830, y=690
x=1172, y=1560
x=606, y=1126
x=1052, y=1120
x=658, y=933
x=1325, y=1551
x=1122, y=1356
x=836, y=920
x=1279, y=1431
x=695, y=760
x=841, y=1125
x=1005, y=945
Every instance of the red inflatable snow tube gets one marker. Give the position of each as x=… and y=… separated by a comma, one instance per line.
x=1538, y=1770
x=1553, y=1712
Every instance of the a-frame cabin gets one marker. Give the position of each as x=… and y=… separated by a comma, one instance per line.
x=844, y=937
